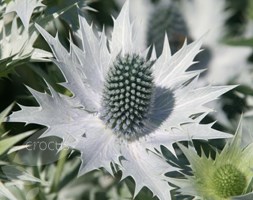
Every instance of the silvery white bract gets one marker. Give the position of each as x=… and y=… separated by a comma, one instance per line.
x=17, y=44
x=140, y=11
x=17, y=47
x=12, y=43
x=227, y=62
x=24, y=9
x=124, y=106
x=16, y=41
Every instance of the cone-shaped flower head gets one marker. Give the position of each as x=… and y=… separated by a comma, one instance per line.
x=125, y=105
x=228, y=176
x=128, y=95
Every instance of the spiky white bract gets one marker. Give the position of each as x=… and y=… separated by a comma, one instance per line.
x=168, y=118
x=140, y=12
x=12, y=43
x=24, y=9
x=17, y=46
x=227, y=62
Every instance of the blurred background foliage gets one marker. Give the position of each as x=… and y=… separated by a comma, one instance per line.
x=19, y=70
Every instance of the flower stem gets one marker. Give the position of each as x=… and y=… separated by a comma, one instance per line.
x=59, y=169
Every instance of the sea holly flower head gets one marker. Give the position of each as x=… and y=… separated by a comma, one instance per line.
x=125, y=104
x=128, y=95
x=228, y=176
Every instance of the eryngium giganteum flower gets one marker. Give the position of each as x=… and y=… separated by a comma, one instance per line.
x=226, y=177
x=124, y=104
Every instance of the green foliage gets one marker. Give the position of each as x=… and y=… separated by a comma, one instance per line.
x=250, y=9
x=6, y=142
x=248, y=42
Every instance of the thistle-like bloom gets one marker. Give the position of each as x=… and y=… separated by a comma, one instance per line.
x=229, y=176
x=124, y=104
